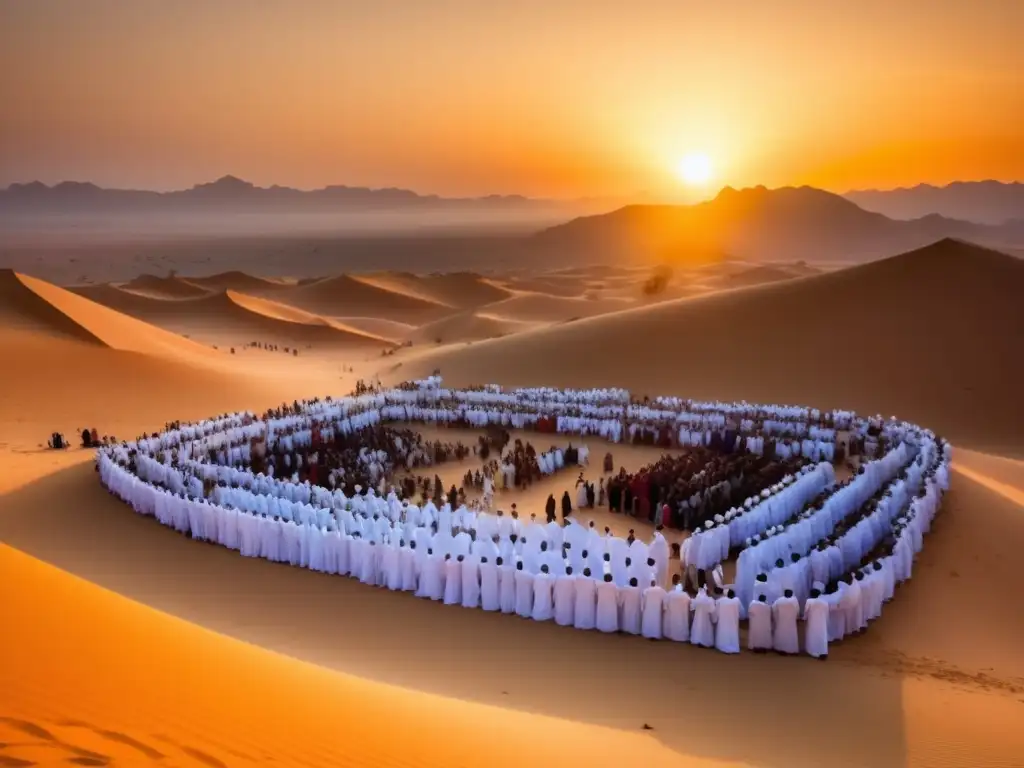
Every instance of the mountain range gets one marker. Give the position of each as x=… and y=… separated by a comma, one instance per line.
x=984, y=202
x=790, y=223
x=232, y=194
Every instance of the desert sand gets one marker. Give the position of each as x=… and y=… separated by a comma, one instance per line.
x=127, y=644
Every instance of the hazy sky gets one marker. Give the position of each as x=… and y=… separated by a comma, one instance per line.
x=541, y=97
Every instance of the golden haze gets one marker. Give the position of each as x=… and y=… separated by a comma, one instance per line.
x=547, y=99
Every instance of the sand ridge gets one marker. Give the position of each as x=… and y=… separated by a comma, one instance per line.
x=344, y=296
x=460, y=290
x=171, y=287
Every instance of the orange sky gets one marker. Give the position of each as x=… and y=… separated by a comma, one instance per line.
x=554, y=98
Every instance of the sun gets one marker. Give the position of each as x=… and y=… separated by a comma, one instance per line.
x=695, y=168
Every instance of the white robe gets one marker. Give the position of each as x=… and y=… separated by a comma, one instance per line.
x=470, y=583
x=410, y=573
x=607, y=606
x=785, y=612
x=677, y=616
x=565, y=599
x=702, y=632
x=543, y=608
x=816, y=613
x=759, y=628
x=432, y=577
x=585, y=609
x=629, y=609
x=507, y=588
x=490, y=596
x=392, y=567
x=727, y=625
x=524, y=593
x=653, y=610
x=452, y=582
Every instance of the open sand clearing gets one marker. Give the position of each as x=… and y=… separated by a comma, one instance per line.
x=222, y=672
x=462, y=290
x=918, y=335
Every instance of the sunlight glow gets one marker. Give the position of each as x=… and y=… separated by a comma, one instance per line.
x=695, y=168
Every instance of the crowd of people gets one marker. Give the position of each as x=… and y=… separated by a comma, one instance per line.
x=268, y=502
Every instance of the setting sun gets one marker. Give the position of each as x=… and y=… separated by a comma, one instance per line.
x=695, y=168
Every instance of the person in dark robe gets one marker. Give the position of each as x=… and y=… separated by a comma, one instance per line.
x=453, y=497
x=609, y=464
x=590, y=495
x=566, y=505
x=87, y=438
x=550, y=508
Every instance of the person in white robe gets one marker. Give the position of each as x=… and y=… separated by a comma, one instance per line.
x=524, y=591
x=702, y=631
x=759, y=626
x=677, y=612
x=490, y=595
x=506, y=586
x=470, y=582
x=369, y=564
x=727, y=624
x=653, y=608
x=607, y=618
x=432, y=576
x=785, y=612
x=408, y=564
x=585, y=608
x=565, y=597
x=543, y=607
x=630, y=600
x=453, y=580
x=815, y=616
x=392, y=566
x=659, y=552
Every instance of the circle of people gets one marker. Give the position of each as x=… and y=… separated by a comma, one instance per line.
x=830, y=554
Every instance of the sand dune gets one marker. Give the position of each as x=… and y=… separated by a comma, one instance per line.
x=235, y=319
x=466, y=326
x=99, y=680
x=391, y=330
x=63, y=384
x=932, y=335
x=545, y=308
x=32, y=304
x=759, y=275
x=462, y=290
x=164, y=287
x=200, y=644
x=235, y=280
x=563, y=286
x=345, y=296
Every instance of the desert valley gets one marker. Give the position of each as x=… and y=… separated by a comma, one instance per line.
x=471, y=385
x=127, y=643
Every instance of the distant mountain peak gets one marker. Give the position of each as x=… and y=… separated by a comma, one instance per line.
x=984, y=202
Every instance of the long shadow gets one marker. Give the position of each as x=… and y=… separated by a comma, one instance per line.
x=722, y=707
